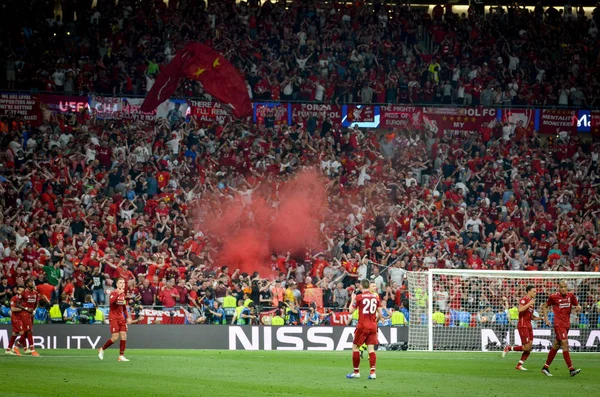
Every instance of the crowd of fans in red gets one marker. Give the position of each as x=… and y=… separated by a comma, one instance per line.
x=84, y=202
x=380, y=52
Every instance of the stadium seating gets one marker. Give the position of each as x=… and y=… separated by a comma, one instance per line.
x=125, y=197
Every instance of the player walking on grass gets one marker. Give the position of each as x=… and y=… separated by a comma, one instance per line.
x=526, y=305
x=368, y=304
x=30, y=300
x=562, y=303
x=116, y=319
x=16, y=306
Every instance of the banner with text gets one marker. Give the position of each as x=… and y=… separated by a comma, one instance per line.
x=301, y=112
x=150, y=316
x=65, y=103
x=26, y=106
x=554, y=121
x=400, y=116
x=221, y=337
x=209, y=112
x=340, y=319
x=271, y=115
x=114, y=108
x=458, y=121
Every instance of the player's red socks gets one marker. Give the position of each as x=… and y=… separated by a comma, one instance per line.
x=551, y=355
x=30, y=340
x=13, y=339
x=122, y=347
x=22, y=340
x=356, y=361
x=517, y=348
x=372, y=361
x=108, y=344
x=567, y=357
x=525, y=356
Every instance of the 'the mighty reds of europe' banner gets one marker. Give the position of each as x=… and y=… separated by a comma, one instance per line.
x=301, y=112
x=65, y=103
x=553, y=121
x=400, y=116
x=360, y=114
x=271, y=113
x=209, y=112
x=457, y=121
x=27, y=106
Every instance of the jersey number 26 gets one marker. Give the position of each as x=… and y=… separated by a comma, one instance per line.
x=369, y=306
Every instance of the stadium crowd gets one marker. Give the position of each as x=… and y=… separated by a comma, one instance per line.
x=84, y=202
x=378, y=52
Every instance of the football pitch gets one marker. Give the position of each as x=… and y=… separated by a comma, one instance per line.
x=280, y=373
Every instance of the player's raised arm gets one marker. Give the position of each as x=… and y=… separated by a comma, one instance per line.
x=352, y=306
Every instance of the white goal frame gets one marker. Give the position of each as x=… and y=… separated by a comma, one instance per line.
x=481, y=274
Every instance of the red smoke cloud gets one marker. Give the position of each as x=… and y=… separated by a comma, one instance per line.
x=249, y=234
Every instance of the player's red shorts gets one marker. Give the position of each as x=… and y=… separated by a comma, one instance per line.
x=27, y=322
x=561, y=333
x=118, y=325
x=526, y=335
x=368, y=336
x=17, y=325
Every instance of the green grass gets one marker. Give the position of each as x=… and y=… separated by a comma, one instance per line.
x=277, y=373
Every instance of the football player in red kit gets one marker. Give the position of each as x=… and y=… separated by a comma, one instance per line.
x=526, y=308
x=118, y=323
x=16, y=307
x=562, y=304
x=30, y=301
x=368, y=304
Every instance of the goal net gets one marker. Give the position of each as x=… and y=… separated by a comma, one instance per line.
x=474, y=310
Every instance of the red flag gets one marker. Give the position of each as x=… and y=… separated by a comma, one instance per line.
x=166, y=83
x=219, y=78
x=217, y=75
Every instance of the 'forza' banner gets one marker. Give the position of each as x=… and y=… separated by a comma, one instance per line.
x=301, y=112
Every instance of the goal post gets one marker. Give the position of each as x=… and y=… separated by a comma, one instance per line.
x=477, y=310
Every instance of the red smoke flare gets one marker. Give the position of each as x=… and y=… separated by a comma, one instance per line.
x=249, y=235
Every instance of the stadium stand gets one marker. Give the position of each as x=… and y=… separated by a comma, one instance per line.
x=79, y=194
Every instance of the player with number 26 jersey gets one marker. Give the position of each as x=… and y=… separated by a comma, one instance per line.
x=368, y=304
